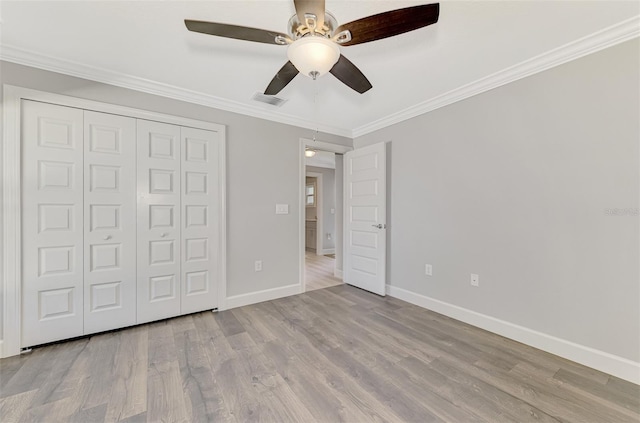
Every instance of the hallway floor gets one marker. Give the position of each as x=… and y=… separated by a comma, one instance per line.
x=319, y=271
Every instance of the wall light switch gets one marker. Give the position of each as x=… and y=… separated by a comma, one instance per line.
x=258, y=266
x=428, y=270
x=333, y=211
x=282, y=209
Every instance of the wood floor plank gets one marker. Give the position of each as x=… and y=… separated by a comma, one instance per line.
x=239, y=397
x=308, y=384
x=553, y=397
x=90, y=415
x=165, y=400
x=337, y=382
x=129, y=388
x=202, y=395
x=337, y=354
x=599, y=392
x=273, y=391
x=8, y=368
x=12, y=408
x=33, y=371
x=319, y=272
x=102, y=351
x=61, y=364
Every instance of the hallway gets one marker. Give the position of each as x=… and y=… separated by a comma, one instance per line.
x=319, y=271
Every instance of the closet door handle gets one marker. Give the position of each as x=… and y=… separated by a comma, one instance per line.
x=107, y=238
x=162, y=235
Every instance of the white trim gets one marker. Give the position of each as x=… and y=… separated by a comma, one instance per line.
x=11, y=201
x=337, y=273
x=324, y=146
x=320, y=145
x=264, y=295
x=600, y=360
x=302, y=174
x=11, y=244
x=222, y=274
x=79, y=70
x=608, y=37
x=318, y=207
x=326, y=251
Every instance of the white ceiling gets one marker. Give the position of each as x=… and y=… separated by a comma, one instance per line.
x=145, y=44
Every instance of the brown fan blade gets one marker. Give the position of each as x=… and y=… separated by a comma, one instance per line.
x=237, y=32
x=314, y=7
x=282, y=78
x=388, y=24
x=350, y=75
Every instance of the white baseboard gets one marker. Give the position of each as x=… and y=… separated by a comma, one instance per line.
x=260, y=296
x=326, y=251
x=337, y=273
x=599, y=360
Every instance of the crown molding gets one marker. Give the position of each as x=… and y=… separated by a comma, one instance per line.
x=79, y=70
x=608, y=37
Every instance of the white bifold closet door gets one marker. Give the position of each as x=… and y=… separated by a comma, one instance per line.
x=52, y=225
x=200, y=219
x=109, y=221
x=158, y=221
x=78, y=222
x=178, y=220
x=121, y=221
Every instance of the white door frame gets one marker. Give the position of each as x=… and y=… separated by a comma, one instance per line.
x=319, y=145
x=319, y=214
x=11, y=196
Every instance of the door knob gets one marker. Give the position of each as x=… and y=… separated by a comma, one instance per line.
x=162, y=235
x=380, y=226
x=107, y=238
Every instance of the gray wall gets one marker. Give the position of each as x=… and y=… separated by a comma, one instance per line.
x=262, y=170
x=514, y=184
x=327, y=203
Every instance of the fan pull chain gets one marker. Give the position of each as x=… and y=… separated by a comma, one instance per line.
x=315, y=106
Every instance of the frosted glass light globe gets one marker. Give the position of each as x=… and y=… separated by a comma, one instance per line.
x=313, y=54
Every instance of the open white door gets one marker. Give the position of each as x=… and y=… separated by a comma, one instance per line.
x=365, y=218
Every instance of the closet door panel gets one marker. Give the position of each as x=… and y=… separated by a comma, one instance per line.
x=159, y=214
x=200, y=219
x=52, y=224
x=110, y=221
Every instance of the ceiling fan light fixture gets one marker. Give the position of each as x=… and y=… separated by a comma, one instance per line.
x=313, y=56
x=309, y=152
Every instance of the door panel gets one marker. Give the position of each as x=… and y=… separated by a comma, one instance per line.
x=200, y=223
x=159, y=243
x=110, y=222
x=52, y=230
x=365, y=218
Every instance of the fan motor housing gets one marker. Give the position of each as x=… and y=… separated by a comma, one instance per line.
x=299, y=29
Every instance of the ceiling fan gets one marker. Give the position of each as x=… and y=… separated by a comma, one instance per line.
x=314, y=38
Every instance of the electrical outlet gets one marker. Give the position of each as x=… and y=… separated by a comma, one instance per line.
x=258, y=266
x=428, y=270
x=475, y=280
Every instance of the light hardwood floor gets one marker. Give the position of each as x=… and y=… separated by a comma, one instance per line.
x=330, y=355
x=319, y=271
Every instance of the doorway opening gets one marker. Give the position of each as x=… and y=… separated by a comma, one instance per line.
x=321, y=217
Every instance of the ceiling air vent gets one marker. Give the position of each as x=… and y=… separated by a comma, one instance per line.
x=269, y=99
